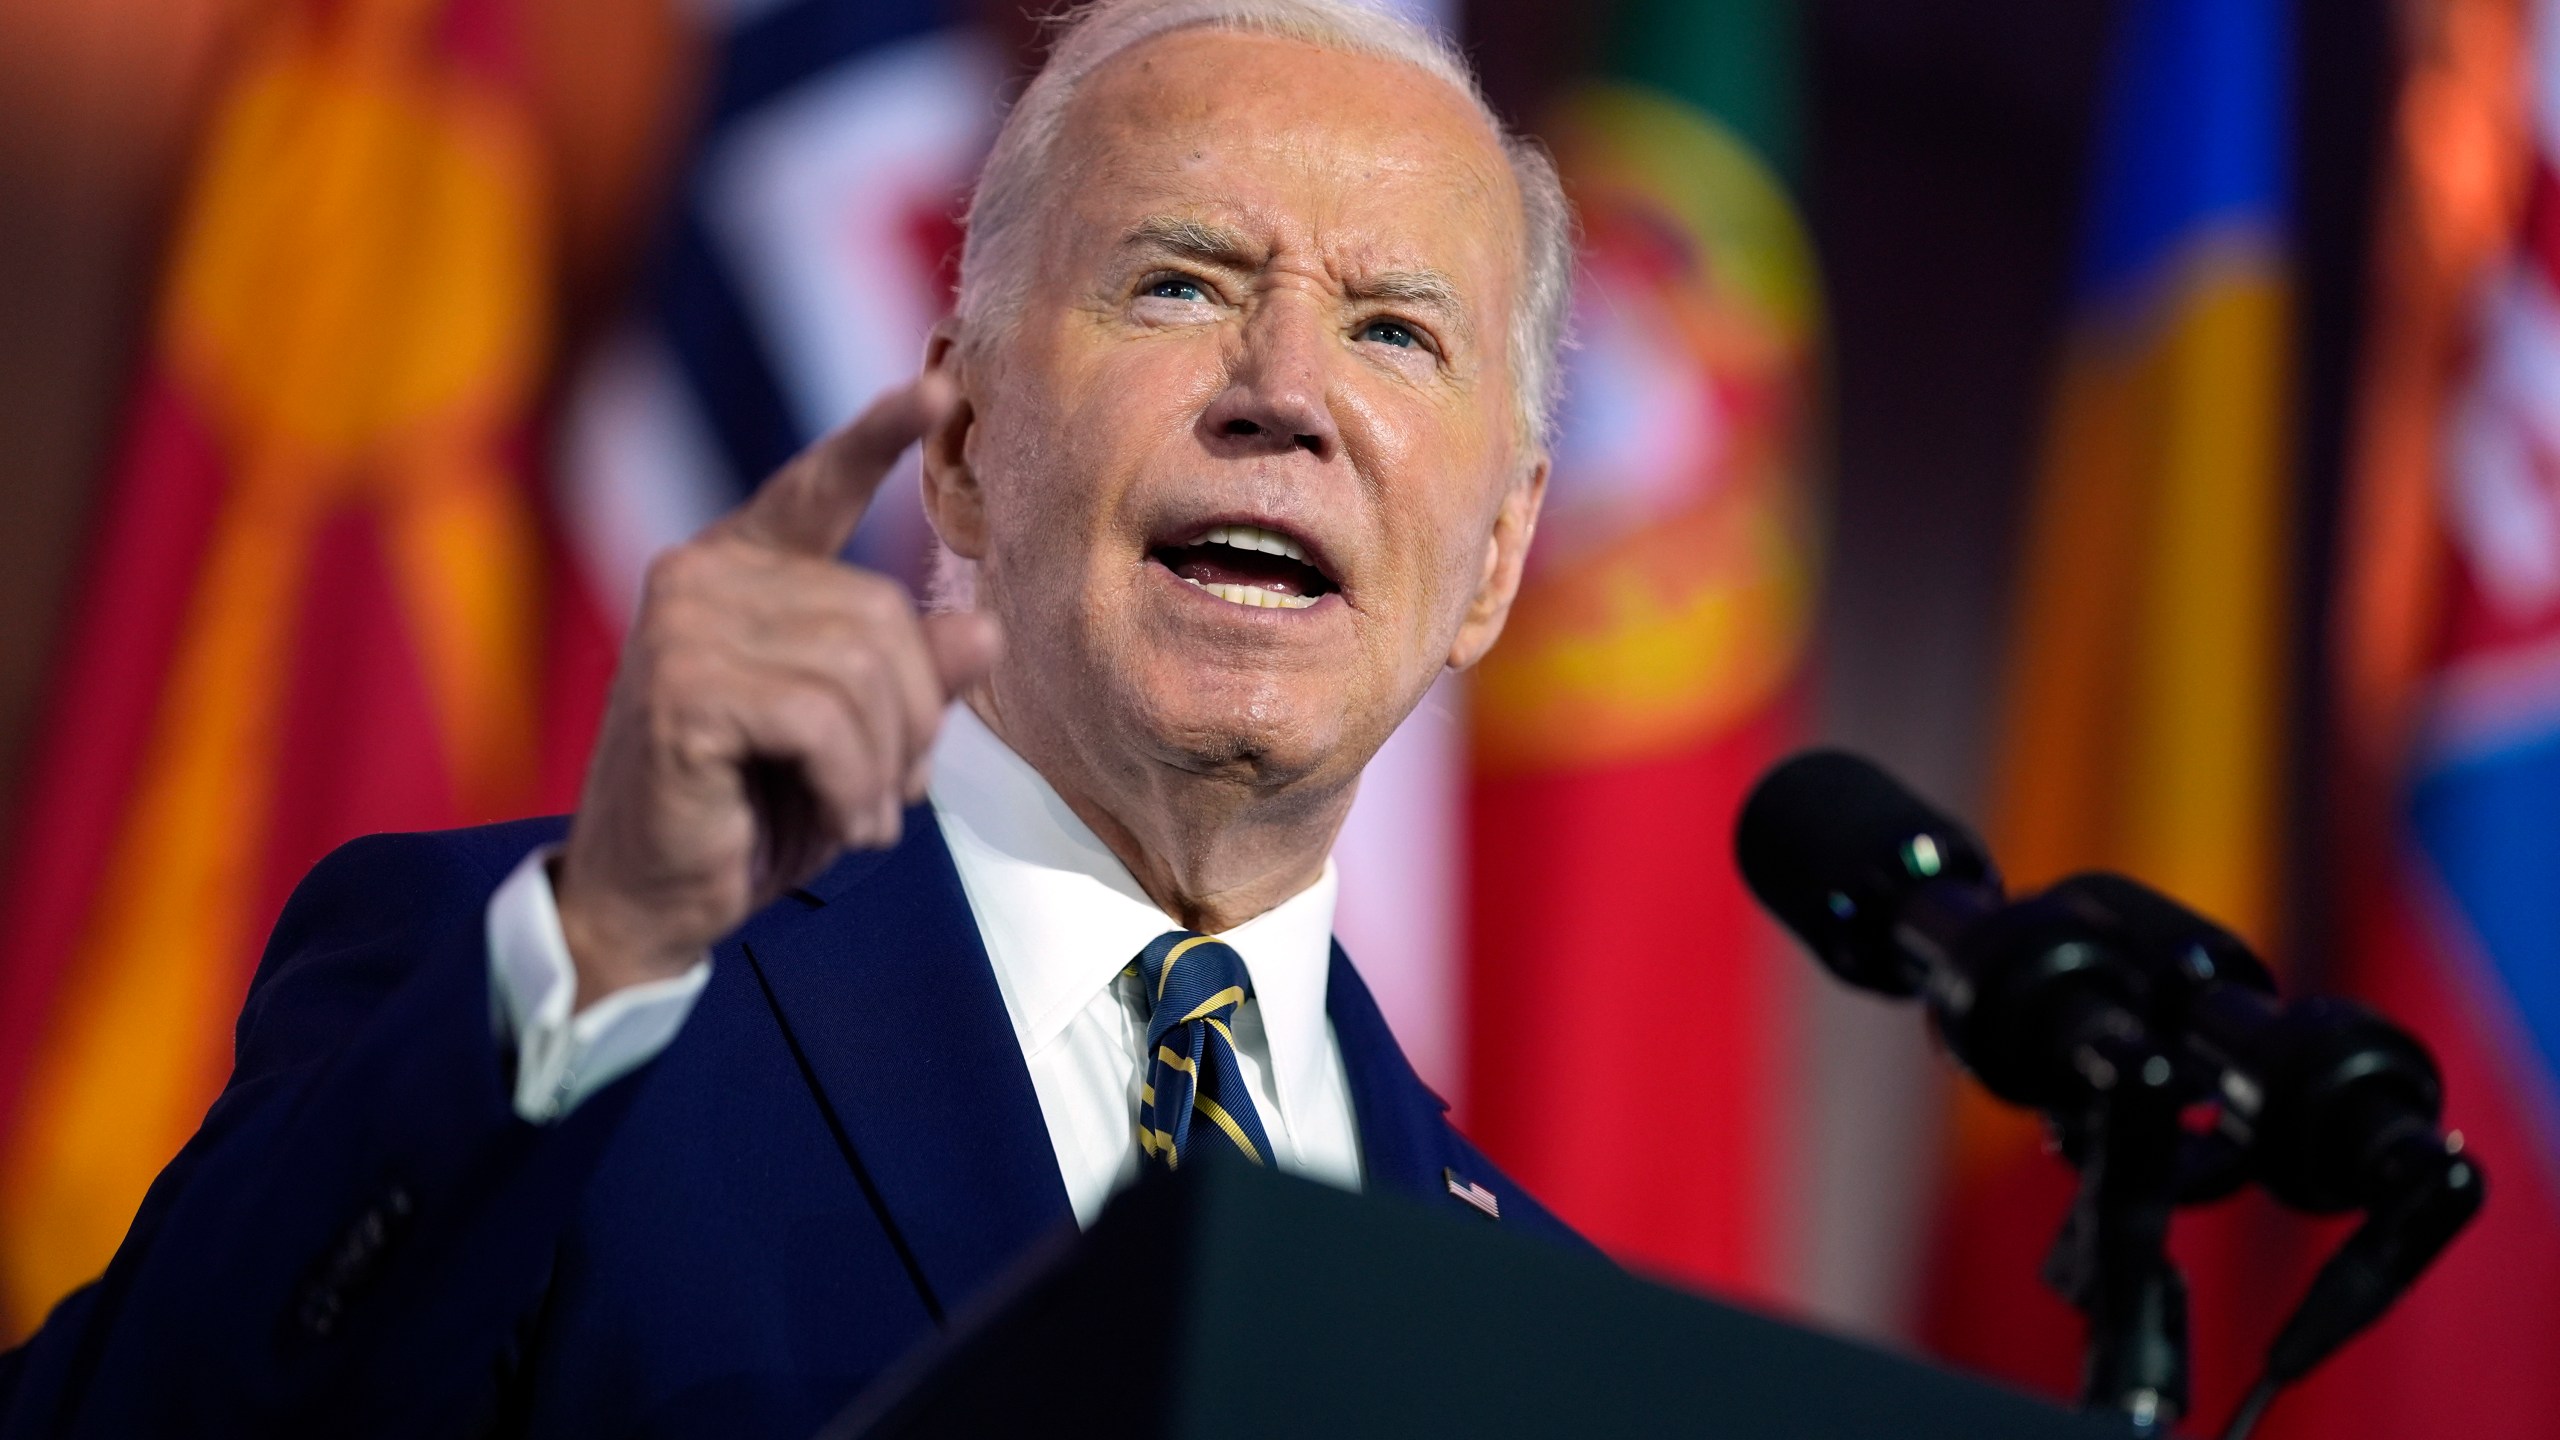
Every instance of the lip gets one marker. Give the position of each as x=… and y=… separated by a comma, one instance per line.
x=1191, y=529
x=1326, y=604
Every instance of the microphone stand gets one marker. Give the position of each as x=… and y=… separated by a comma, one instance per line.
x=2111, y=1260
x=2110, y=1008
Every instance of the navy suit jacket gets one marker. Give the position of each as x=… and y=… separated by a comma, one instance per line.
x=840, y=1148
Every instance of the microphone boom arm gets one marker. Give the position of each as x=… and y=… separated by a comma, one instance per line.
x=2112, y=1009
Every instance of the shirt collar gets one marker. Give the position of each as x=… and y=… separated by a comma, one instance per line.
x=1061, y=916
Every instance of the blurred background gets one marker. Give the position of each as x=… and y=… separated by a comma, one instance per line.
x=2135, y=421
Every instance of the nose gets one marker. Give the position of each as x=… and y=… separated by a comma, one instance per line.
x=1274, y=400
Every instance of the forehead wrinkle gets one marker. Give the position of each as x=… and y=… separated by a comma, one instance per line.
x=1149, y=118
x=1156, y=119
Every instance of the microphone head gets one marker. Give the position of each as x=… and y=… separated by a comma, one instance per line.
x=1833, y=846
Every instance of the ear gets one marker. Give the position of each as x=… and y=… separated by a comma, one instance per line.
x=953, y=504
x=1506, y=551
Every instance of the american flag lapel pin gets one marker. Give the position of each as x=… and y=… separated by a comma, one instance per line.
x=1473, y=1193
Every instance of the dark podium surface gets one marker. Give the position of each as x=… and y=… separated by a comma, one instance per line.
x=1230, y=1302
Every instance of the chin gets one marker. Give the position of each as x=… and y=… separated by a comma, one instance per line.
x=1252, y=730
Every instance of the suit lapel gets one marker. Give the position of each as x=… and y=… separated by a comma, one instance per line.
x=884, y=990
x=1403, y=1135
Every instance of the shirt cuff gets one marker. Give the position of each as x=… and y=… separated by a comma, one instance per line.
x=564, y=1057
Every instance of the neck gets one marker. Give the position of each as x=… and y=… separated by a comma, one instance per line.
x=1209, y=850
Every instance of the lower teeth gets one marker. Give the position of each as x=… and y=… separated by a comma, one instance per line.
x=1258, y=599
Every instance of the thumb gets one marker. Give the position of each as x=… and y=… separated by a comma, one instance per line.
x=964, y=645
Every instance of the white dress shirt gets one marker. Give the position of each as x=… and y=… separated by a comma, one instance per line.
x=1061, y=919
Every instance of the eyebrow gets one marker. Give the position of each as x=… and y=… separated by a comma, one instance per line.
x=1193, y=240
x=1410, y=287
x=1207, y=244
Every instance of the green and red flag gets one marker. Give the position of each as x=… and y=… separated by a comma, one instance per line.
x=1627, y=1011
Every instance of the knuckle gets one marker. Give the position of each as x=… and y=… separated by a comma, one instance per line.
x=805, y=716
x=692, y=747
x=861, y=668
x=675, y=712
x=681, y=732
x=672, y=575
x=833, y=633
x=678, y=677
x=876, y=599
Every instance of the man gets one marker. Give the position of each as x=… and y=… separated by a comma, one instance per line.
x=836, y=994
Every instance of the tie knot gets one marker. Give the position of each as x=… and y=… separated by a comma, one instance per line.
x=1194, y=985
x=1190, y=976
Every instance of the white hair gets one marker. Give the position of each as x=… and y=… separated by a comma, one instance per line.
x=995, y=259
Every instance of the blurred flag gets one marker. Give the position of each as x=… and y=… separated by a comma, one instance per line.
x=2147, y=697
x=1626, y=1020
x=2449, y=654
x=315, y=604
x=811, y=247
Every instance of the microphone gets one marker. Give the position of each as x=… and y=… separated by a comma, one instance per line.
x=1836, y=850
x=2035, y=998
x=2111, y=1007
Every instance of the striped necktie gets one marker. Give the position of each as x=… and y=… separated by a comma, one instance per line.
x=1194, y=985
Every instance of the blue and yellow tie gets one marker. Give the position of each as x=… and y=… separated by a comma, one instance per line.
x=1195, y=985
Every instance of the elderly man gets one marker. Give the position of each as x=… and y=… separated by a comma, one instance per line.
x=882, y=945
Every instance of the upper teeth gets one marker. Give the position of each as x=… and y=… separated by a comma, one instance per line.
x=1254, y=537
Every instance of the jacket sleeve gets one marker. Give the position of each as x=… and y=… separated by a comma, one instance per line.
x=358, y=1233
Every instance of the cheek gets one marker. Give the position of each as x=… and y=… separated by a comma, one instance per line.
x=1442, y=523
x=1420, y=462
x=1135, y=403
x=1155, y=388
x=1082, y=425
x=1458, y=555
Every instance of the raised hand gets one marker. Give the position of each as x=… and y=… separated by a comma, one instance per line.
x=773, y=707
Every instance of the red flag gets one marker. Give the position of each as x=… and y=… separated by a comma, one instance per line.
x=2448, y=713
x=1627, y=1009
x=316, y=602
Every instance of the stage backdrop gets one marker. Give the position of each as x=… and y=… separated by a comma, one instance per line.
x=2154, y=700
x=372, y=522
x=322, y=597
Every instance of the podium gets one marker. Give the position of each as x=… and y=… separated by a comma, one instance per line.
x=1226, y=1301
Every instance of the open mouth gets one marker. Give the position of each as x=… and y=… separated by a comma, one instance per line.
x=1248, y=565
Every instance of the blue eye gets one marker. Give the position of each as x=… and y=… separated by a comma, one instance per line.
x=1175, y=287
x=1390, y=332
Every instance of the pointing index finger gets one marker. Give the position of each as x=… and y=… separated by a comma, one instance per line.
x=810, y=506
